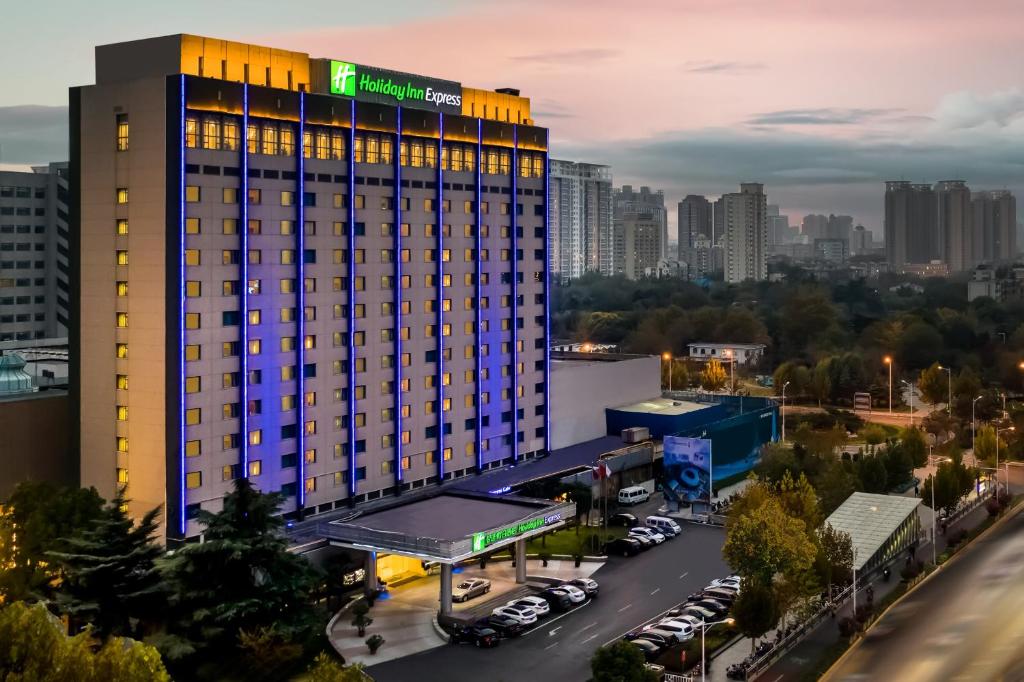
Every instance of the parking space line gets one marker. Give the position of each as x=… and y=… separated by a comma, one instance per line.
x=656, y=591
x=588, y=627
x=625, y=607
x=550, y=646
x=560, y=616
x=684, y=575
x=588, y=639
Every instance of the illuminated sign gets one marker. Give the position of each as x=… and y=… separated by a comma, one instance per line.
x=483, y=540
x=371, y=84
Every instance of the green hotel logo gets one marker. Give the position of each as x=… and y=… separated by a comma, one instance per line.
x=343, y=78
x=483, y=540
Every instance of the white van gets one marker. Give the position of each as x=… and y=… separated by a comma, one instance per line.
x=663, y=525
x=634, y=494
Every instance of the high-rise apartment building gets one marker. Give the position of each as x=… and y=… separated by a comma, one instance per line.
x=694, y=219
x=779, y=231
x=994, y=226
x=326, y=277
x=580, y=219
x=34, y=258
x=746, y=239
x=637, y=244
x=911, y=224
x=646, y=204
x=953, y=215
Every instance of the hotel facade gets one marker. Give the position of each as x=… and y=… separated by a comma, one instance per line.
x=329, y=278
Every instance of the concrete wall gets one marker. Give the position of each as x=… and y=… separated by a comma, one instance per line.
x=582, y=389
x=36, y=445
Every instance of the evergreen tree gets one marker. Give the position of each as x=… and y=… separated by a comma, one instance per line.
x=109, y=576
x=713, y=377
x=241, y=577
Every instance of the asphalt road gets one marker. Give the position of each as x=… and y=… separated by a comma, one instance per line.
x=633, y=590
x=966, y=623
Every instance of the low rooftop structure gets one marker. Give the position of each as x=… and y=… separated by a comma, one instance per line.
x=880, y=526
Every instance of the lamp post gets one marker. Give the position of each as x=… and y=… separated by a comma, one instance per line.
x=934, y=514
x=949, y=401
x=854, y=566
x=998, y=431
x=973, y=426
x=704, y=625
x=784, y=411
x=668, y=358
x=729, y=353
x=888, y=360
x=910, y=388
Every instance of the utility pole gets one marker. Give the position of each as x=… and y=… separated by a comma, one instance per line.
x=935, y=513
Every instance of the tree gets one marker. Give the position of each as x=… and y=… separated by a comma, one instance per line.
x=583, y=496
x=37, y=515
x=821, y=382
x=913, y=444
x=620, y=662
x=241, y=577
x=790, y=372
x=713, y=377
x=109, y=576
x=326, y=669
x=835, y=554
x=898, y=467
x=360, y=620
x=872, y=474
x=756, y=610
x=874, y=434
x=767, y=541
x=933, y=384
x=985, y=445
x=952, y=480
x=33, y=648
x=836, y=483
x=776, y=460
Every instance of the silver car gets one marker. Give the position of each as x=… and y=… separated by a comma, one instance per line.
x=469, y=588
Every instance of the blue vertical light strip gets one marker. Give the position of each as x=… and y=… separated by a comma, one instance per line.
x=243, y=289
x=547, y=305
x=478, y=313
x=397, y=231
x=440, y=299
x=181, y=303
x=515, y=293
x=352, y=304
x=300, y=295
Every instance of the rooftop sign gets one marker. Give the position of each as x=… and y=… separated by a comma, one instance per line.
x=483, y=540
x=371, y=84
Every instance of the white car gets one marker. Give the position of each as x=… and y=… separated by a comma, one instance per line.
x=541, y=606
x=693, y=621
x=523, y=615
x=472, y=587
x=648, y=533
x=577, y=595
x=730, y=583
x=681, y=631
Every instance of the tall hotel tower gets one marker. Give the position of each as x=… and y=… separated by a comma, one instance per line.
x=329, y=278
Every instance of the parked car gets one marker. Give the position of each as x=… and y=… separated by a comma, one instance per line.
x=577, y=595
x=663, y=525
x=634, y=494
x=558, y=599
x=472, y=587
x=732, y=581
x=678, y=616
x=590, y=587
x=649, y=649
x=701, y=613
x=623, y=547
x=645, y=542
x=680, y=630
x=538, y=604
x=661, y=640
x=480, y=636
x=506, y=626
x=524, y=614
x=648, y=533
x=718, y=594
x=711, y=605
x=667, y=634
x=623, y=519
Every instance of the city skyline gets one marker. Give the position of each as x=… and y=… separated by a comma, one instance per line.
x=746, y=108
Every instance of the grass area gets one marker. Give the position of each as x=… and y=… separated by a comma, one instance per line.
x=890, y=430
x=589, y=540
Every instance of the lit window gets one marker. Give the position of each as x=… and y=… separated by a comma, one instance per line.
x=255, y=467
x=256, y=437
x=122, y=288
x=121, y=350
x=193, y=384
x=310, y=485
x=193, y=448
x=193, y=416
x=193, y=479
x=122, y=257
x=192, y=352
x=122, y=382
x=192, y=193
x=122, y=227
x=193, y=288
x=122, y=132
x=122, y=413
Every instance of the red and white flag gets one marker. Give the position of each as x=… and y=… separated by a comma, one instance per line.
x=601, y=471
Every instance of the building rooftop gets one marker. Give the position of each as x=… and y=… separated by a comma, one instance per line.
x=870, y=520
x=715, y=344
x=663, y=406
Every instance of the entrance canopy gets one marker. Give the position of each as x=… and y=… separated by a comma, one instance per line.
x=448, y=527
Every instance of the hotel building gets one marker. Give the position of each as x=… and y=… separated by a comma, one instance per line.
x=329, y=278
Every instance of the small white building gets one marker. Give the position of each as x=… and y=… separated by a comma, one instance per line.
x=740, y=353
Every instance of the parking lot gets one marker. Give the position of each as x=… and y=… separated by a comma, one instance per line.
x=633, y=590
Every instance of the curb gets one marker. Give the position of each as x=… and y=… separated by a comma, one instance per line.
x=1006, y=517
x=438, y=630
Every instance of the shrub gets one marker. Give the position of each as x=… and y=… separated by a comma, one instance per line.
x=863, y=613
x=848, y=626
x=993, y=508
x=374, y=642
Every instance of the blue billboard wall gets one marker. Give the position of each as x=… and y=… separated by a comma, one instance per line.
x=736, y=441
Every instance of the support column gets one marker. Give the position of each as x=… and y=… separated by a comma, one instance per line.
x=370, y=567
x=520, y=561
x=446, y=589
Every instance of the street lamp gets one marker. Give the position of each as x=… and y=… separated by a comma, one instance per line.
x=973, y=403
x=667, y=357
x=728, y=352
x=704, y=625
x=910, y=387
x=998, y=431
x=935, y=513
x=784, y=411
x=949, y=402
x=888, y=360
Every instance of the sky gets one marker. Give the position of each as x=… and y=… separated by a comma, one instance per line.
x=821, y=101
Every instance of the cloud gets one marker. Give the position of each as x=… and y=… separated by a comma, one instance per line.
x=33, y=134
x=722, y=67
x=966, y=109
x=821, y=116
x=568, y=57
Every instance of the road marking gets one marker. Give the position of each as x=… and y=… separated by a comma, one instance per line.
x=560, y=616
x=778, y=678
x=551, y=633
x=588, y=627
x=625, y=607
x=550, y=646
x=656, y=591
x=684, y=575
x=588, y=639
